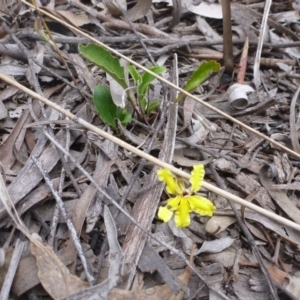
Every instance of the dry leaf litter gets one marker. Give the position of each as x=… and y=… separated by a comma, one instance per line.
x=63, y=238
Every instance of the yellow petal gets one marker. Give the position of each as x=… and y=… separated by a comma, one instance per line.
x=173, y=203
x=201, y=205
x=197, y=176
x=172, y=187
x=181, y=185
x=182, y=216
x=164, y=214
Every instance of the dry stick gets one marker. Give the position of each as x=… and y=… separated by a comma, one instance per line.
x=289, y=151
x=245, y=230
x=157, y=52
x=150, y=158
x=63, y=39
x=227, y=36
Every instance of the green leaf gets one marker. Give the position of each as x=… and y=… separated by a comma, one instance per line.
x=143, y=103
x=105, y=105
x=199, y=76
x=105, y=60
x=124, y=116
x=152, y=106
x=148, y=78
x=134, y=74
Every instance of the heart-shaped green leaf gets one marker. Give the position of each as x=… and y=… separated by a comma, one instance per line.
x=105, y=105
x=105, y=60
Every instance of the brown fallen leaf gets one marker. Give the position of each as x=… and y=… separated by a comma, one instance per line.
x=162, y=292
x=138, y=11
x=53, y=274
x=279, y=197
x=6, y=149
x=277, y=275
x=26, y=276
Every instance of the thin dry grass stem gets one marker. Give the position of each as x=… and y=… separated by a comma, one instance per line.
x=227, y=37
x=263, y=28
x=150, y=158
x=280, y=146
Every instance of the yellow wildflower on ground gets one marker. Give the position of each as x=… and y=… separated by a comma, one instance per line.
x=185, y=200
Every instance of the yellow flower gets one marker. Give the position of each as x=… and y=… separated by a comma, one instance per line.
x=185, y=200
